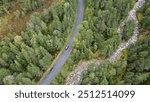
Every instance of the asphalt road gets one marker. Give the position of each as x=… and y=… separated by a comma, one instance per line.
x=63, y=57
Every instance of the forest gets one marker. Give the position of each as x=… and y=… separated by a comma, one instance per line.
x=34, y=32
x=97, y=35
x=24, y=6
x=133, y=68
x=24, y=57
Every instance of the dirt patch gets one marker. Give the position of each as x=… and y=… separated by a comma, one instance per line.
x=10, y=23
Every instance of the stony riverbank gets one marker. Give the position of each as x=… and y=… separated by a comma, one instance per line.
x=76, y=76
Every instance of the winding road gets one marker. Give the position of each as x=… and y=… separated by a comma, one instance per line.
x=63, y=57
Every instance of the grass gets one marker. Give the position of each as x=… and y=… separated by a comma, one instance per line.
x=17, y=25
x=10, y=21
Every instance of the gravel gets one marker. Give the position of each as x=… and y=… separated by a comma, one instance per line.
x=75, y=77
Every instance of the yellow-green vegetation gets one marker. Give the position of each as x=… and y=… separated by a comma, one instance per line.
x=28, y=53
x=139, y=16
x=97, y=35
x=61, y=51
x=11, y=23
x=134, y=68
x=55, y=59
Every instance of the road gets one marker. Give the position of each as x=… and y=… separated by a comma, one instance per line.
x=63, y=57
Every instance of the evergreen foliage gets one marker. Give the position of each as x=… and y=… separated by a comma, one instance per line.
x=25, y=57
